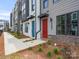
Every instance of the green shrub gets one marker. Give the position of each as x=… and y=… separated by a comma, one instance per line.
x=63, y=49
x=56, y=50
x=59, y=57
x=40, y=45
x=30, y=48
x=49, y=42
x=40, y=49
x=49, y=54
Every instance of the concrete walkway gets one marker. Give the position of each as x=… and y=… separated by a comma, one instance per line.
x=13, y=45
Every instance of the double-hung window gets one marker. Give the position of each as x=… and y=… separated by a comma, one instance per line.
x=33, y=5
x=26, y=27
x=45, y=4
x=23, y=9
x=74, y=22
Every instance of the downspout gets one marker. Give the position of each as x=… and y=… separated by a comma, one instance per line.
x=39, y=19
x=35, y=21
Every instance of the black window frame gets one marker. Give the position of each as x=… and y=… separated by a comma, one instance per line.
x=69, y=30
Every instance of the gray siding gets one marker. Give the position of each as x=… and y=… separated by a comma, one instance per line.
x=64, y=6
x=27, y=8
x=59, y=8
x=42, y=9
x=26, y=2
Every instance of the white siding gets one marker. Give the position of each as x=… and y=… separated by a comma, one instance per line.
x=30, y=20
x=29, y=29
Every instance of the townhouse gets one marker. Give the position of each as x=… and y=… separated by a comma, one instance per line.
x=16, y=17
x=30, y=29
x=12, y=21
x=25, y=14
x=59, y=17
x=4, y=25
x=32, y=26
x=45, y=18
x=25, y=18
x=10, y=25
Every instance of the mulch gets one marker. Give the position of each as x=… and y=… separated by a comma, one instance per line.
x=1, y=44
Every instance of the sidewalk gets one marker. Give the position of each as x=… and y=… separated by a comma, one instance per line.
x=13, y=45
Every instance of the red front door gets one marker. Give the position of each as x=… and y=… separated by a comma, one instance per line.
x=44, y=28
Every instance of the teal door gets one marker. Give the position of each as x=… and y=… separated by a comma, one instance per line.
x=33, y=28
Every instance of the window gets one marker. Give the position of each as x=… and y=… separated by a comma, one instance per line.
x=23, y=6
x=67, y=24
x=33, y=5
x=21, y=27
x=23, y=13
x=74, y=22
x=45, y=3
x=26, y=27
x=55, y=1
x=61, y=24
x=23, y=10
x=74, y=16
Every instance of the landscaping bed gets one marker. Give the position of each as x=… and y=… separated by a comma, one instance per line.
x=44, y=51
x=19, y=35
x=51, y=51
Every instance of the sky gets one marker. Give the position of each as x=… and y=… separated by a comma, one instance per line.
x=6, y=7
